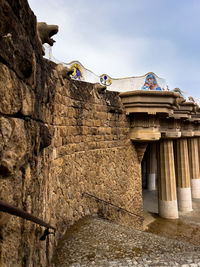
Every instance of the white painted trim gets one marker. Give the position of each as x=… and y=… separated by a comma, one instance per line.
x=151, y=182
x=184, y=199
x=168, y=209
x=195, y=185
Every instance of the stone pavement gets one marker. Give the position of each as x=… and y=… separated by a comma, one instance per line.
x=97, y=242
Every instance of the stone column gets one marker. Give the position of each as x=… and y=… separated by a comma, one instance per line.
x=152, y=167
x=183, y=175
x=167, y=205
x=194, y=166
x=198, y=138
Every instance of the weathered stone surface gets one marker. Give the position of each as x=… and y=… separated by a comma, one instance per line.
x=13, y=145
x=45, y=32
x=64, y=72
x=18, y=37
x=10, y=93
x=58, y=139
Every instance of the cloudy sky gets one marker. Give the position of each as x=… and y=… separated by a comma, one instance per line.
x=124, y=38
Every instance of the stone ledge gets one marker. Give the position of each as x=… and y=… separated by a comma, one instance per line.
x=150, y=102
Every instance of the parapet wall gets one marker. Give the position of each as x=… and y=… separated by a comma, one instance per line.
x=58, y=139
x=149, y=81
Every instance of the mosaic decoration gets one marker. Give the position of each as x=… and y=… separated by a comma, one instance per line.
x=77, y=74
x=105, y=80
x=151, y=83
x=177, y=90
x=191, y=99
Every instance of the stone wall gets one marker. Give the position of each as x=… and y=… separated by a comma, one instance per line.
x=92, y=153
x=58, y=139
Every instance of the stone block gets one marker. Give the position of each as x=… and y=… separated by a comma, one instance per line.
x=71, y=112
x=63, y=131
x=101, y=130
x=84, y=130
x=97, y=123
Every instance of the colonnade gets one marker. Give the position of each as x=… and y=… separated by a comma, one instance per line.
x=176, y=165
x=166, y=119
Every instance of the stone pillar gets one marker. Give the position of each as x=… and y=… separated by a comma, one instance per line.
x=144, y=172
x=167, y=205
x=183, y=175
x=152, y=167
x=194, y=166
x=198, y=138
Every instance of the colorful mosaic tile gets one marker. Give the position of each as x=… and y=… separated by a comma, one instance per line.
x=105, y=80
x=151, y=83
x=77, y=74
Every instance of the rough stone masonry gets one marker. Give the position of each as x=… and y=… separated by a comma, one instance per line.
x=58, y=139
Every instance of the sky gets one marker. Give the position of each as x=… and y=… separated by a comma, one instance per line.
x=125, y=38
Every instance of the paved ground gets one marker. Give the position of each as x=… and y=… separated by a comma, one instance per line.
x=186, y=228
x=97, y=242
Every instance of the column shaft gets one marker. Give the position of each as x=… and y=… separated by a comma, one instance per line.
x=152, y=167
x=194, y=166
x=198, y=138
x=167, y=184
x=183, y=175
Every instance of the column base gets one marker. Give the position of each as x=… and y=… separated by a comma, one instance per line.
x=184, y=199
x=195, y=185
x=151, y=182
x=168, y=209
